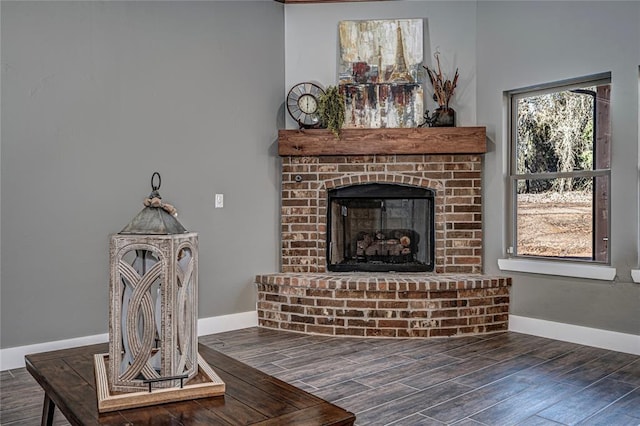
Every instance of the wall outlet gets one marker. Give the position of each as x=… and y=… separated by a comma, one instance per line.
x=219, y=201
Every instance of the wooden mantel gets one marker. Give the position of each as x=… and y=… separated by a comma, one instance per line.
x=423, y=140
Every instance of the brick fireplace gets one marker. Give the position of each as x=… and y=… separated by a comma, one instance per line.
x=455, y=299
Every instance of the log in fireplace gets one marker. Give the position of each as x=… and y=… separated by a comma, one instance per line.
x=380, y=227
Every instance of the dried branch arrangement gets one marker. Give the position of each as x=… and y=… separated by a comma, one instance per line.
x=442, y=89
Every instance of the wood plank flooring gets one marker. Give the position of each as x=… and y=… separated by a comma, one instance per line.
x=502, y=379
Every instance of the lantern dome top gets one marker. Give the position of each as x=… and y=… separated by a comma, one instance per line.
x=157, y=217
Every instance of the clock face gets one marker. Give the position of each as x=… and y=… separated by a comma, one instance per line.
x=307, y=104
x=302, y=104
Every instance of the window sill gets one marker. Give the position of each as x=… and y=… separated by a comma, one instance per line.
x=635, y=275
x=593, y=272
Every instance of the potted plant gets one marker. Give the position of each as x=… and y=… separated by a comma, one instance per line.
x=331, y=110
x=443, y=89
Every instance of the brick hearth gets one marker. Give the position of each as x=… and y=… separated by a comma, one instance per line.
x=456, y=299
x=384, y=305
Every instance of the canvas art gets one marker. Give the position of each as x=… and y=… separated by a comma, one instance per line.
x=380, y=74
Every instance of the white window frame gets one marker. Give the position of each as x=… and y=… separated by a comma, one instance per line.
x=570, y=267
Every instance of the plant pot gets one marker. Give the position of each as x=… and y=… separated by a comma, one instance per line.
x=444, y=117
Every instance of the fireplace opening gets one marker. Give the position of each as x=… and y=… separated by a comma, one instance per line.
x=381, y=228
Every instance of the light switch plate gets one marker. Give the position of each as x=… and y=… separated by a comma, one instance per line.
x=219, y=201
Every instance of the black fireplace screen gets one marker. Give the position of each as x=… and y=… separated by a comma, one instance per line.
x=380, y=227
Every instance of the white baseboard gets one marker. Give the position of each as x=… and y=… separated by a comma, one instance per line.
x=622, y=342
x=230, y=322
x=14, y=357
x=612, y=340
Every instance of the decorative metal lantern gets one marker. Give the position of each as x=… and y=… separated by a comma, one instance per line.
x=153, y=300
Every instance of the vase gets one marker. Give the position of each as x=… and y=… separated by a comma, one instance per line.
x=444, y=117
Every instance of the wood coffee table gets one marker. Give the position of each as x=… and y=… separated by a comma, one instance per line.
x=251, y=397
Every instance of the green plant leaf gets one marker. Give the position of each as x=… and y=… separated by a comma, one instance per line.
x=331, y=110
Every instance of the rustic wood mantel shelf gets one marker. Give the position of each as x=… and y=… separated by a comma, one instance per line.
x=423, y=140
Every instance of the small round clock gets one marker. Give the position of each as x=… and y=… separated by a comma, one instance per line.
x=302, y=104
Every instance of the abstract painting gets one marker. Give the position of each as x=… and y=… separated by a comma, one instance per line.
x=380, y=74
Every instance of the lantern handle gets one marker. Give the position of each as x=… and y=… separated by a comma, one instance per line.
x=155, y=187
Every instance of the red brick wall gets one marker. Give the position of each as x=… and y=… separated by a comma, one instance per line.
x=456, y=180
x=384, y=305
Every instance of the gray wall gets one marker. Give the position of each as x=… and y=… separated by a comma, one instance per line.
x=96, y=96
x=500, y=46
x=520, y=44
x=311, y=43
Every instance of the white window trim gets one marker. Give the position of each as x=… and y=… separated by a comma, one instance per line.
x=563, y=269
x=635, y=275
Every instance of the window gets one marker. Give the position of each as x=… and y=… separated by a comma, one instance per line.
x=560, y=170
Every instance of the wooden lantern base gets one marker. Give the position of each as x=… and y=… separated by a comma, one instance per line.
x=205, y=384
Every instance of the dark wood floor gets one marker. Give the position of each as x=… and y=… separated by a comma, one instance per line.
x=502, y=379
